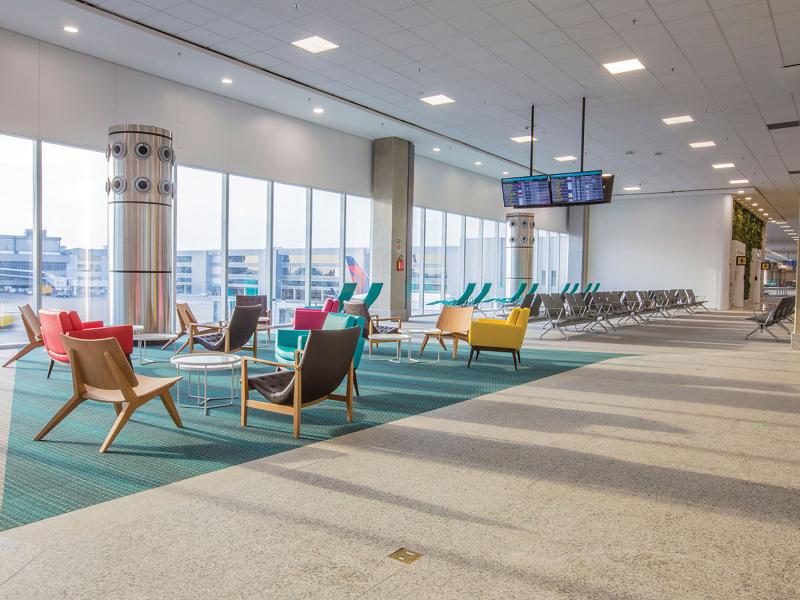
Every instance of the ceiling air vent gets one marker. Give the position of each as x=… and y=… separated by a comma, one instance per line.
x=784, y=125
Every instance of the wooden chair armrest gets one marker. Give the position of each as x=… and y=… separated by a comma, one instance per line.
x=263, y=361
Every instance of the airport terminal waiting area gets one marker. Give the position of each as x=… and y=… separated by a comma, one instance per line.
x=224, y=393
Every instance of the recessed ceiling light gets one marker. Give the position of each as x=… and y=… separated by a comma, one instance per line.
x=736, y=181
x=227, y=80
x=707, y=144
x=523, y=139
x=678, y=120
x=315, y=44
x=437, y=99
x=71, y=29
x=623, y=66
x=740, y=192
x=760, y=210
x=748, y=197
x=478, y=163
x=565, y=158
x=318, y=110
x=723, y=165
x=505, y=172
x=633, y=188
x=755, y=203
x=780, y=222
x=607, y=175
x=437, y=149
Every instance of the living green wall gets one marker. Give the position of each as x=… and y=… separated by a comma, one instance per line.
x=748, y=229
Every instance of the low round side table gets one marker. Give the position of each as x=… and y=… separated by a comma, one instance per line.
x=142, y=339
x=399, y=338
x=199, y=365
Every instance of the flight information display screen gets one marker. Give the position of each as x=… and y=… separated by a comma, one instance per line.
x=526, y=192
x=584, y=187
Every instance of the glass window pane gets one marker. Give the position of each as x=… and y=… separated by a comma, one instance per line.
x=472, y=260
x=416, y=261
x=290, y=248
x=502, y=291
x=198, y=268
x=454, y=265
x=491, y=258
x=16, y=238
x=248, y=255
x=326, y=239
x=552, y=263
x=540, y=248
x=75, y=231
x=564, y=259
x=434, y=254
x=358, y=232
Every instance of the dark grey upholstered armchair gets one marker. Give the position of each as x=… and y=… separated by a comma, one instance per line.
x=318, y=370
x=230, y=337
x=264, y=318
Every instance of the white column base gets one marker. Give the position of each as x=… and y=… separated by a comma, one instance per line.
x=795, y=344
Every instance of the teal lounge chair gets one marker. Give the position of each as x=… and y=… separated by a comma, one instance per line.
x=534, y=287
x=566, y=288
x=461, y=300
x=289, y=340
x=513, y=298
x=372, y=293
x=480, y=297
x=575, y=288
x=596, y=286
x=588, y=288
x=346, y=293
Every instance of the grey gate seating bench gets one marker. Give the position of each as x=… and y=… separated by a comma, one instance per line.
x=694, y=301
x=557, y=316
x=766, y=320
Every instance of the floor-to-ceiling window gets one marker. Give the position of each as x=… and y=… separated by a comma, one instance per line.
x=358, y=234
x=454, y=256
x=198, y=260
x=16, y=237
x=416, y=261
x=248, y=254
x=326, y=241
x=433, y=274
x=563, y=259
x=491, y=257
x=74, y=234
x=472, y=251
x=290, y=250
x=551, y=250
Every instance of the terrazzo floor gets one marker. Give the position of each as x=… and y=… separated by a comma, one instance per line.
x=674, y=473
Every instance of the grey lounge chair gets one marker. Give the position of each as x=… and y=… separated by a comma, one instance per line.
x=230, y=337
x=318, y=370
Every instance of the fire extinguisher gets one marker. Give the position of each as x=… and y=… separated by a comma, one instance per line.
x=401, y=264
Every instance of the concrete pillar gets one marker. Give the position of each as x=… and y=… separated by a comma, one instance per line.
x=578, y=231
x=392, y=219
x=519, y=249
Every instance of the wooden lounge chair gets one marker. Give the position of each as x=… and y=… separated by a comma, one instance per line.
x=453, y=323
x=317, y=372
x=186, y=319
x=232, y=336
x=100, y=371
x=33, y=329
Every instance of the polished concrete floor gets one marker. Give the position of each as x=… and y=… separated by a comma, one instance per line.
x=670, y=473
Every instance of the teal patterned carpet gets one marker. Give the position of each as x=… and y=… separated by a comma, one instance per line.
x=66, y=472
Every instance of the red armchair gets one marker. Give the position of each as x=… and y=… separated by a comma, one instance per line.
x=313, y=318
x=57, y=322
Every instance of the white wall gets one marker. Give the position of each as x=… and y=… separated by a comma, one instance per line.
x=62, y=96
x=445, y=187
x=663, y=243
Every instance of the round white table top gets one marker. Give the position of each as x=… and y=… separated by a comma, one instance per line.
x=390, y=337
x=416, y=331
x=151, y=337
x=209, y=361
x=137, y=329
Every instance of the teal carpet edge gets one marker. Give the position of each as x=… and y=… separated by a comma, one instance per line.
x=65, y=472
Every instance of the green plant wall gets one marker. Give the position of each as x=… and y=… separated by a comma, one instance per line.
x=748, y=229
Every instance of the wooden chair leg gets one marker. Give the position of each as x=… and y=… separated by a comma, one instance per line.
x=423, y=344
x=122, y=419
x=296, y=422
x=455, y=347
x=21, y=353
x=186, y=343
x=166, y=398
x=117, y=408
x=442, y=344
x=243, y=398
x=172, y=340
x=70, y=405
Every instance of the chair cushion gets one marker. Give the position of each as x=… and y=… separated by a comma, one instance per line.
x=75, y=320
x=330, y=305
x=211, y=341
x=276, y=387
x=384, y=329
